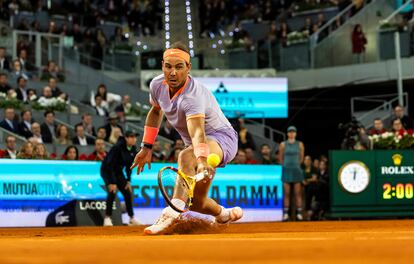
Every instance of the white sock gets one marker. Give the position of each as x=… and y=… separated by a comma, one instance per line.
x=224, y=215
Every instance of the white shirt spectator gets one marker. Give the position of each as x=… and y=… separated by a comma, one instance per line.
x=82, y=141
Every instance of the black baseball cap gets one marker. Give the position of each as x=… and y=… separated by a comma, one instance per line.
x=131, y=133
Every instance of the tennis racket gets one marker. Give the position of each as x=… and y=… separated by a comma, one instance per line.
x=177, y=188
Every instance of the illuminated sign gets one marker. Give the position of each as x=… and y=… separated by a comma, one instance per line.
x=39, y=187
x=250, y=97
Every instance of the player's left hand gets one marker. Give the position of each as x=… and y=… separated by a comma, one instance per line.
x=128, y=187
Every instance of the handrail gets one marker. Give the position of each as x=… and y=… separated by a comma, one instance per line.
x=129, y=125
x=314, y=36
x=398, y=10
x=272, y=130
x=386, y=106
x=5, y=131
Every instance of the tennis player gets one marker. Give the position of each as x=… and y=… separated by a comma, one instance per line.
x=194, y=112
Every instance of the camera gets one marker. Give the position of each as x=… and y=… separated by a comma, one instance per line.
x=351, y=134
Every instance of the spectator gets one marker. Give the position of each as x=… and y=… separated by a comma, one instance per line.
x=311, y=185
x=26, y=151
x=406, y=121
x=272, y=36
x=358, y=44
x=316, y=162
x=10, y=152
x=378, y=128
x=9, y=122
x=125, y=106
x=18, y=72
x=77, y=34
x=112, y=123
x=48, y=128
x=4, y=62
x=115, y=135
x=40, y=152
x=267, y=158
x=47, y=98
x=108, y=99
x=87, y=124
x=245, y=138
x=99, y=48
x=100, y=109
x=80, y=138
x=100, y=153
x=21, y=93
x=283, y=33
x=56, y=92
x=25, y=126
x=62, y=135
x=31, y=94
x=240, y=157
x=71, y=153
x=323, y=190
x=37, y=135
x=169, y=132
x=291, y=154
x=307, y=27
x=118, y=38
x=250, y=156
x=157, y=153
x=25, y=64
x=101, y=133
x=397, y=126
x=4, y=86
x=52, y=71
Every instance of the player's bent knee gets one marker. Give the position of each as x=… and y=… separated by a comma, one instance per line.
x=186, y=157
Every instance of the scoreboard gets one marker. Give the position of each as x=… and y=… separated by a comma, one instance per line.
x=371, y=183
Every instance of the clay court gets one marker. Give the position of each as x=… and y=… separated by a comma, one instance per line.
x=307, y=242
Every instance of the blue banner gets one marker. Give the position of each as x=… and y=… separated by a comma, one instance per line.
x=33, y=185
x=250, y=97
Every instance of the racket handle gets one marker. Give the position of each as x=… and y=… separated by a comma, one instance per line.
x=200, y=176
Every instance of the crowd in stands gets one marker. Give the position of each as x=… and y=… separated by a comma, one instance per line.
x=218, y=17
x=357, y=136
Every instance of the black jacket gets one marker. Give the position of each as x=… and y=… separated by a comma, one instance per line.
x=5, y=88
x=89, y=141
x=24, y=130
x=19, y=95
x=47, y=136
x=6, y=126
x=118, y=158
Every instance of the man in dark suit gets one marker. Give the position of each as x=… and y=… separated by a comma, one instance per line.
x=4, y=86
x=25, y=126
x=21, y=89
x=48, y=128
x=27, y=66
x=87, y=123
x=4, y=62
x=81, y=138
x=9, y=123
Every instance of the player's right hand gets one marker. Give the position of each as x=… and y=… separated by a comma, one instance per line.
x=143, y=157
x=112, y=188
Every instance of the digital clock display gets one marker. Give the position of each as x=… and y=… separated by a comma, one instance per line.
x=398, y=191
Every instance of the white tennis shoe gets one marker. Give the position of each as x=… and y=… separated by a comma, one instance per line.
x=165, y=221
x=107, y=221
x=230, y=215
x=134, y=222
